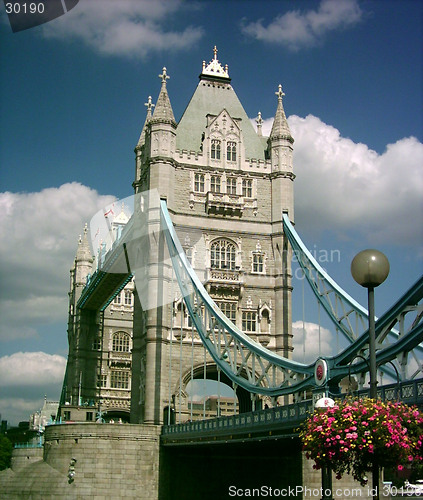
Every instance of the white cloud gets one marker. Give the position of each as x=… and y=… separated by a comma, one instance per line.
x=378, y=195
x=125, y=27
x=31, y=368
x=309, y=341
x=296, y=29
x=38, y=244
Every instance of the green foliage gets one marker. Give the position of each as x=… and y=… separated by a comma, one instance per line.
x=6, y=448
x=354, y=434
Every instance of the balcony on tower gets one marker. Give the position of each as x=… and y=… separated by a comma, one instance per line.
x=230, y=280
x=224, y=204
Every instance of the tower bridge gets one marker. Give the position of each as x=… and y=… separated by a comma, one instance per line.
x=193, y=284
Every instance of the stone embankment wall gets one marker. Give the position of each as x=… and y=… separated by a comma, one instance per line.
x=109, y=461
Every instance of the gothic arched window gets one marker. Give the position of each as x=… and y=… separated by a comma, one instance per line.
x=215, y=149
x=121, y=342
x=223, y=255
x=231, y=151
x=128, y=298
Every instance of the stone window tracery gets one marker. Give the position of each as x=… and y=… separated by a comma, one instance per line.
x=128, y=298
x=258, y=260
x=231, y=151
x=222, y=254
x=119, y=379
x=215, y=149
x=121, y=342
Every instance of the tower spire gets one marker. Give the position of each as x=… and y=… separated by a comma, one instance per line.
x=280, y=128
x=150, y=106
x=83, y=258
x=83, y=252
x=163, y=111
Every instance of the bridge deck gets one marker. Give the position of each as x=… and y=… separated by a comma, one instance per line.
x=272, y=423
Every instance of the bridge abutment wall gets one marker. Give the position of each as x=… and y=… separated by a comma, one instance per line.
x=112, y=461
x=25, y=456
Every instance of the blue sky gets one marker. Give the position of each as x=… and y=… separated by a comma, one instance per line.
x=72, y=96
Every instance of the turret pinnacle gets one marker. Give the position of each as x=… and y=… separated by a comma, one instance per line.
x=163, y=111
x=150, y=106
x=280, y=128
x=83, y=252
x=259, y=121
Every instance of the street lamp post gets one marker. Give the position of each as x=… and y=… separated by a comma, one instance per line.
x=322, y=405
x=370, y=268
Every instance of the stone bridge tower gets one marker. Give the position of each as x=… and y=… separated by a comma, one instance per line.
x=226, y=188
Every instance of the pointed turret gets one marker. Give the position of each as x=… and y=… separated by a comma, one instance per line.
x=163, y=112
x=280, y=128
x=281, y=152
x=141, y=142
x=160, y=143
x=83, y=259
x=150, y=106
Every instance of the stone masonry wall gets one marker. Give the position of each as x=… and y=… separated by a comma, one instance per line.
x=112, y=461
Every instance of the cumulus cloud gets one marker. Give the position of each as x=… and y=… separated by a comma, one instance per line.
x=132, y=28
x=296, y=29
x=378, y=195
x=309, y=341
x=31, y=368
x=39, y=240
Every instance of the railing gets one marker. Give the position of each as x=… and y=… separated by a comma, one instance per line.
x=276, y=422
x=28, y=445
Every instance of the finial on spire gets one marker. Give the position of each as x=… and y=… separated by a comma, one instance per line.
x=149, y=105
x=259, y=121
x=215, y=52
x=164, y=76
x=280, y=93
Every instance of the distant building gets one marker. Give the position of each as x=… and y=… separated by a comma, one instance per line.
x=46, y=415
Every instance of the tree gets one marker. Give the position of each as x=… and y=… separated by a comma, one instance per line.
x=6, y=448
